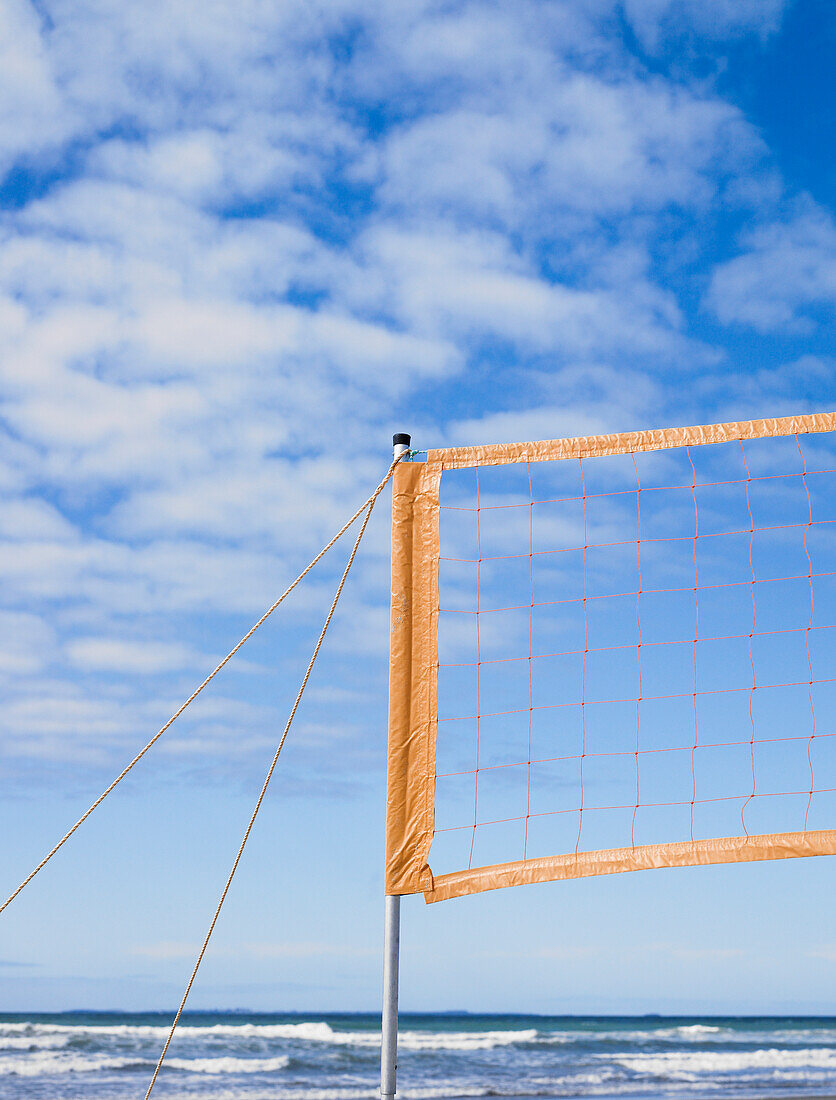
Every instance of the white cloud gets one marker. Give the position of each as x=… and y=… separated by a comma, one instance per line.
x=59, y=723
x=472, y=286
x=164, y=576
x=583, y=145
x=131, y=656
x=27, y=643
x=84, y=718
x=253, y=158
x=579, y=399
x=34, y=115
x=799, y=386
x=533, y=424
x=654, y=21
x=787, y=271
x=23, y=518
x=150, y=67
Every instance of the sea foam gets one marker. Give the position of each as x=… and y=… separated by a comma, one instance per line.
x=228, y=1065
x=724, y=1061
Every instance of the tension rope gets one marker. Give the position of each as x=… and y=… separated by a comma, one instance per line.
x=265, y=784
x=367, y=506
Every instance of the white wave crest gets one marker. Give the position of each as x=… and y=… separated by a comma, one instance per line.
x=687, y=1063
x=441, y=1091
x=152, y=1031
x=700, y=1033
x=229, y=1065
x=310, y=1031
x=697, y=1029
x=46, y=1063
x=686, y=1033
x=464, y=1040
x=32, y=1042
x=418, y=1040
x=21, y=1036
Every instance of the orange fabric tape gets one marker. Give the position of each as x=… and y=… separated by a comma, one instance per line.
x=686, y=853
x=413, y=677
x=655, y=439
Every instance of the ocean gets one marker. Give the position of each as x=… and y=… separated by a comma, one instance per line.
x=255, y=1056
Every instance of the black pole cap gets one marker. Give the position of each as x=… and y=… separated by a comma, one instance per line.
x=401, y=439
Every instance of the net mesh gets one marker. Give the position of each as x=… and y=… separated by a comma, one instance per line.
x=635, y=649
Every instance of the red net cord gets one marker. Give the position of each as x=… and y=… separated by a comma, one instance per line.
x=807, y=632
x=717, y=576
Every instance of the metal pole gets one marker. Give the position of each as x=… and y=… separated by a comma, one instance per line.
x=389, y=1038
x=391, y=949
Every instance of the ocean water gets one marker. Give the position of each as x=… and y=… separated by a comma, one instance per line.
x=247, y=1056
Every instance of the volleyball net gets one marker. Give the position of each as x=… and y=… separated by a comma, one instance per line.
x=612, y=653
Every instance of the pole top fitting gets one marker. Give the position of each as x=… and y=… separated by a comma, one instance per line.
x=401, y=439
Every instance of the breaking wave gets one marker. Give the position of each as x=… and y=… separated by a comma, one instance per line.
x=34, y=1036
x=725, y=1061
x=229, y=1065
x=257, y=1057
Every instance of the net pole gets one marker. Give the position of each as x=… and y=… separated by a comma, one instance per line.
x=391, y=945
x=389, y=1037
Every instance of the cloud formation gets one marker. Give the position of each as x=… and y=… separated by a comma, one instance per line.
x=237, y=250
x=747, y=290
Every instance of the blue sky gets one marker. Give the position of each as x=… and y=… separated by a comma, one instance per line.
x=240, y=246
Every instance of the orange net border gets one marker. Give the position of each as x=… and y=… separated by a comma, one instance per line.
x=413, y=712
